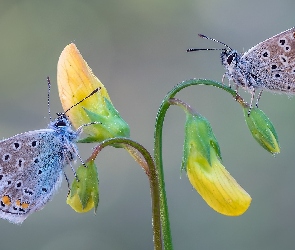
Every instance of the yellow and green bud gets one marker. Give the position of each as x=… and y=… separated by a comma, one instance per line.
x=202, y=162
x=76, y=81
x=84, y=194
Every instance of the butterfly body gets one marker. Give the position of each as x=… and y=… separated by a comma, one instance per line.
x=31, y=167
x=269, y=65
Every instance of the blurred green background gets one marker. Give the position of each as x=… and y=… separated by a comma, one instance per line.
x=137, y=49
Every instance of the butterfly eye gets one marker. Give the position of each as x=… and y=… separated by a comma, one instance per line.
x=60, y=124
x=230, y=59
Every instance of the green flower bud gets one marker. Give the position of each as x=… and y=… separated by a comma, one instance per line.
x=262, y=130
x=84, y=194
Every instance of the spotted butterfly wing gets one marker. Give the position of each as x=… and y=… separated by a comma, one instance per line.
x=31, y=168
x=272, y=63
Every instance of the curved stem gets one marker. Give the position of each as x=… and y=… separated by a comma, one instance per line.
x=167, y=238
x=185, y=106
x=143, y=157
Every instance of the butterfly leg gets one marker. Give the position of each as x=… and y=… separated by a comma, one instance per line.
x=237, y=94
x=69, y=155
x=68, y=182
x=75, y=174
x=252, y=91
x=83, y=163
x=222, y=79
x=258, y=98
x=237, y=89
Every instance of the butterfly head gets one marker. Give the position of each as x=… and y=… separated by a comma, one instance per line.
x=61, y=121
x=230, y=59
x=62, y=126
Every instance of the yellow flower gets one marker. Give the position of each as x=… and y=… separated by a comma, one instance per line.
x=208, y=176
x=262, y=130
x=84, y=194
x=76, y=81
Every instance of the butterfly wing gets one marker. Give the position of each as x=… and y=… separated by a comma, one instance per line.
x=272, y=62
x=31, y=169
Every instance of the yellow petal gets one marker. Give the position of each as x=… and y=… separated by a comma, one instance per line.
x=76, y=204
x=76, y=81
x=216, y=186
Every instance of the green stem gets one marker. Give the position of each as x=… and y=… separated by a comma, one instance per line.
x=167, y=238
x=150, y=169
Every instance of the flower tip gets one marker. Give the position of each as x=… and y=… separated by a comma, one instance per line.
x=71, y=46
x=216, y=186
x=76, y=204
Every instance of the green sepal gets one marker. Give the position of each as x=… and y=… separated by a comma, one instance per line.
x=86, y=186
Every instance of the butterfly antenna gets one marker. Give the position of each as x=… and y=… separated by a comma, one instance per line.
x=48, y=97
x=92, y=93
x=212, y=39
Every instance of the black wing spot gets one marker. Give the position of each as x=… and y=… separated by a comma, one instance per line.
x=6, y=157
x=20, y=162
x=16, y=145
x=27, y=191
x=282, y=41
x=18, y=184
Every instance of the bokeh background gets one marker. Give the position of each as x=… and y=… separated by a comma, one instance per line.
x=137, y=49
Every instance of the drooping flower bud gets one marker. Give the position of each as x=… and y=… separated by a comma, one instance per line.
x=202, y=162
